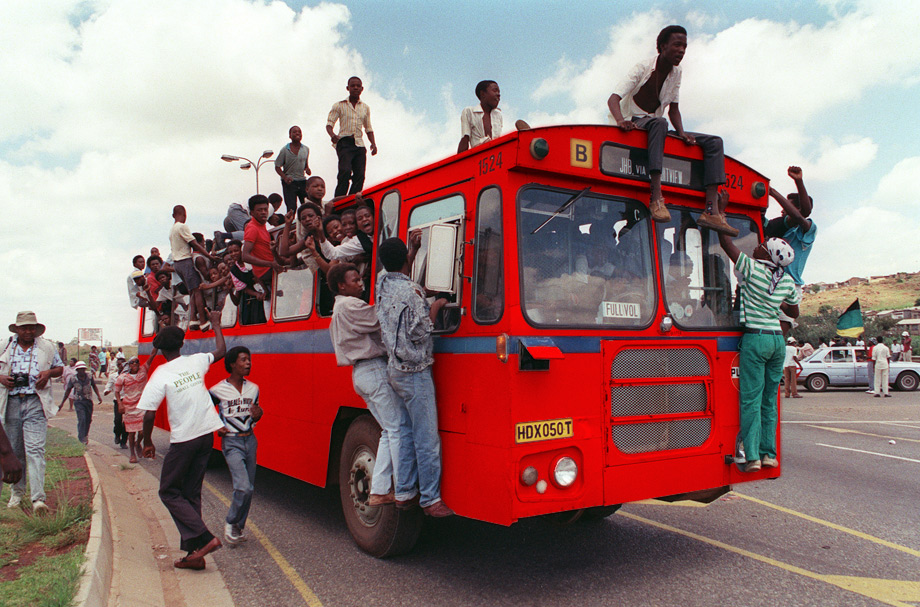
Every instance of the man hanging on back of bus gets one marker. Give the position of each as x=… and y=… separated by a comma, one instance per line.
x=192, y=423
x=639, y=101
x=766, y=289
x=237, y=401
x=797, y=229
x=353, y=116
x=483, y=122
x=406, y=321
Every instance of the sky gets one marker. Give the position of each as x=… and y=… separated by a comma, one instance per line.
x=113, y=111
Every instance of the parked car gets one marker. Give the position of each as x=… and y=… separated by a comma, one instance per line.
x=847, y=366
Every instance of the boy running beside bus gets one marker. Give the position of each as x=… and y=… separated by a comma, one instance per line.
x=766, y=289
x=237, y=401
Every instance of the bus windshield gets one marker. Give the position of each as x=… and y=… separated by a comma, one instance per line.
x=585, y=259
x=699, y=283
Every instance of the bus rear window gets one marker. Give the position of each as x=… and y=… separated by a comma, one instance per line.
x=585, y=259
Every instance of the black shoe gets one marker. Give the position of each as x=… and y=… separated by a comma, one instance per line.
x=123, y=445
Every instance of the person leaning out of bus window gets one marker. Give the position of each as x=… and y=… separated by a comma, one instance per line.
x=355, y=333
x=639, y=102
x=406, y=321
x=766, y=289
x=483, y=122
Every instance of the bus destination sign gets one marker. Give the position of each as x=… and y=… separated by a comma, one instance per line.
x=623, y=161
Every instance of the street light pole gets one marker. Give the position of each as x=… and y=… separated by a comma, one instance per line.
x=248, y=163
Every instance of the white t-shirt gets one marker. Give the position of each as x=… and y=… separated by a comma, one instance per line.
x=179, y=237
x=189, y=406
x=791, y=351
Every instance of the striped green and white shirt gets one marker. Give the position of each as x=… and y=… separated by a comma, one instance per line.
x=760, y=309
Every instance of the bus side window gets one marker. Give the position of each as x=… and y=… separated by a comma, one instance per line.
x=389, y=216
x=488, y=292
x=446, y=211
x=293, y=295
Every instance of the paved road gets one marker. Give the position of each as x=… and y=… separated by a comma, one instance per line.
x=839, y=528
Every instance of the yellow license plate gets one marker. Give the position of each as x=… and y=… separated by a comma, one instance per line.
x=530, y=432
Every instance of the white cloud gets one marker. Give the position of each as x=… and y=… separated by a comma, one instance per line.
x=899, y=189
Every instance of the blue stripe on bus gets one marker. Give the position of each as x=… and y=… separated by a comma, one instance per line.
x=318, y=341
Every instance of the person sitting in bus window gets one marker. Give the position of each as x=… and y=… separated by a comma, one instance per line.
x=795, y=227
x=766, y=288
x=332, y=226
x=360, y=244
x=349, y=223
x=257, y=250
x=355, y=333
x=247, y=293
x=483, y=122
x=639, y=101
x=406, y=321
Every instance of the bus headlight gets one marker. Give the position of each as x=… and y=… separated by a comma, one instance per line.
x=565, y=471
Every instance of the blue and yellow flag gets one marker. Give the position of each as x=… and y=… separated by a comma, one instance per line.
x=850, y=323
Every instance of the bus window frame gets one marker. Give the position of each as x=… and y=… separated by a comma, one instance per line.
x=655, y=287
x=313, y=298
x=382, y=213
x=144, y=332
x=663, y=271
x=476, y=256
x=458, y=253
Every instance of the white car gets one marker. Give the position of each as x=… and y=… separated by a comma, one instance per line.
x=846, y=366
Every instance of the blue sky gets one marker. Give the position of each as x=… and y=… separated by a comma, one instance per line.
x=116, y=110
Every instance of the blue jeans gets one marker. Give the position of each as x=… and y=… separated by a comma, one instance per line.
x=371, y=382
x=84, y=410
x=26, y=427
x=423, y=461
x=240, y=453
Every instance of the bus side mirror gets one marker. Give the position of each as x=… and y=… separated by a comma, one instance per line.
x=440, y=268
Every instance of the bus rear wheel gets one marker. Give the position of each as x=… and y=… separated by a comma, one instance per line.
x=380, y=531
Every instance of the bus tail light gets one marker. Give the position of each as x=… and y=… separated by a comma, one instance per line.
x=529, y=476
x=565, y=471
x=501, y=347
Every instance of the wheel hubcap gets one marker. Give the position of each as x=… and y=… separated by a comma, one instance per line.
x=359, y=481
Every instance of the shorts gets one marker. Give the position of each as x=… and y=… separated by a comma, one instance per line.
x=783, y=317
x=185, y=268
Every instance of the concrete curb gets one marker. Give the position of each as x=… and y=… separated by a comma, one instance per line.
x=96, y=579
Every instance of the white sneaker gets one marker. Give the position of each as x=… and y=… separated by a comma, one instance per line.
x=230, y=534
x=14, y=502
x=39, y=507
x=770, y=462
x=240, y=536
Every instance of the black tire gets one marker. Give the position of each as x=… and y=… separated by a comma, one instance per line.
x=907, y=381
x=599, y=512
x=380, y=531
x=816, y=383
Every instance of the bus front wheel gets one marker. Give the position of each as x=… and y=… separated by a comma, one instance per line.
x=380, y=531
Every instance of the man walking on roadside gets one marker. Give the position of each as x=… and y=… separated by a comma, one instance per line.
x=192, y=422
x=27, y=364
x=237, y=403
x=353, y=116
x=118, y=425
x=83, y=386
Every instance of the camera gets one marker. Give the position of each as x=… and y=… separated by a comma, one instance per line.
x=20, y=380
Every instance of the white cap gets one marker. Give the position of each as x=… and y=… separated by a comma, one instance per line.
x=905, y=333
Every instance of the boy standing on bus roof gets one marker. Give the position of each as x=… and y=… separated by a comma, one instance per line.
x=483, y=122
x=237, y=403
x=353, y=115
x=355, y=333
x=639, y=102
x=797, y=229
x=192, y=423
x=406, y=321
x=766, y=289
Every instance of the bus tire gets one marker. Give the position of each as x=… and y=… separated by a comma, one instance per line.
x=380, y=531
x=599, y=512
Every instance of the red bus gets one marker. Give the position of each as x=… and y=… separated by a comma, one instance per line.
x=588, y=357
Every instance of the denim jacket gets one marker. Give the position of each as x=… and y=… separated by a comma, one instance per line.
x=405, y=324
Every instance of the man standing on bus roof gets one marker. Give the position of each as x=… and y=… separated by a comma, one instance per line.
x=353, y=115
x=797, y=229
x=639, y=102
x=766, y=289
x=406, y=321
x=192, y=423
x=483, y=122
x=292, y=163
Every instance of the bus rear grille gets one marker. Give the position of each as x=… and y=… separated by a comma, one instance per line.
x=661, y=436
x=657, y=399
x=680, y=362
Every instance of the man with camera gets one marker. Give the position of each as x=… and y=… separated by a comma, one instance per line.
x=27, y=364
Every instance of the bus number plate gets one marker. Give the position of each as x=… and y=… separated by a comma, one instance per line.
x=489, y=163
x=530, y=432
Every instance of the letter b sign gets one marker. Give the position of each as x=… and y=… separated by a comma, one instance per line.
x=582, y=154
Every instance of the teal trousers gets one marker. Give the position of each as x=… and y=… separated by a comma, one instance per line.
x=761, y=368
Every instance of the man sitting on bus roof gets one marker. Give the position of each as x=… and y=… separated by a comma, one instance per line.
x=766, y=289
x=639, y=102
x=483, y=122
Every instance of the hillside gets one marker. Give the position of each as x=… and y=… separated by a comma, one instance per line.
x=891, y=292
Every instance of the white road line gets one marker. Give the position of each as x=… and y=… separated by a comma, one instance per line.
x=906, y=459
x=901, y=425
x=837, y=421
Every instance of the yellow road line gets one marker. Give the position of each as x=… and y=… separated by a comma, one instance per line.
x=890, y=592
x=835, y=526
x=308, y=596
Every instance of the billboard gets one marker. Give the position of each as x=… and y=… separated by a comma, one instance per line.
x=89, y=334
